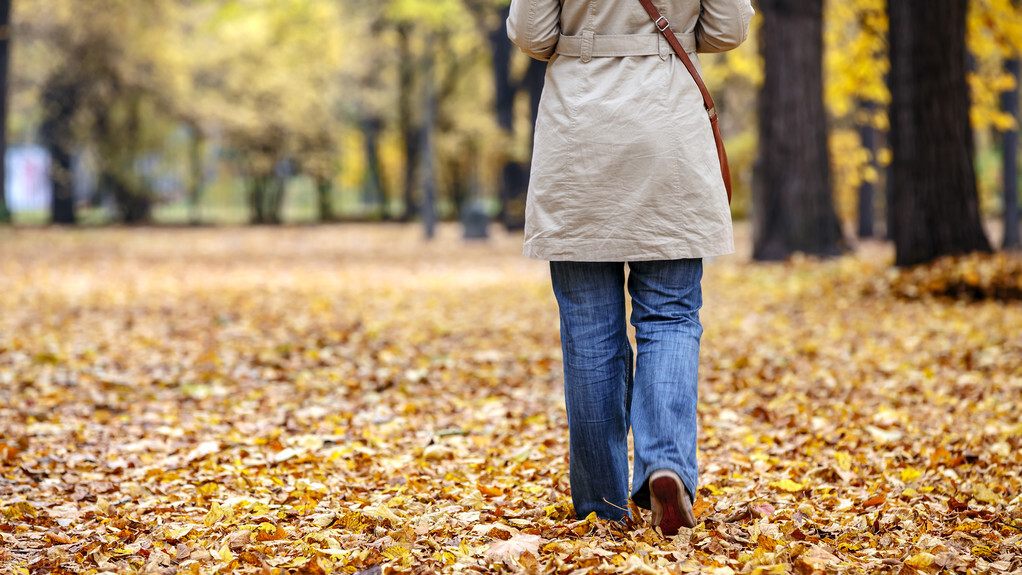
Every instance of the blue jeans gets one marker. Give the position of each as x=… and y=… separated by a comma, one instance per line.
x=604, y=398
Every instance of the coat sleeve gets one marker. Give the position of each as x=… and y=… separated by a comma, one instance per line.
x=723, y=24
x=534, y=26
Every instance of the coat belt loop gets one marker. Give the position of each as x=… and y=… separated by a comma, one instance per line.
x=587, y=46
x=665, y=48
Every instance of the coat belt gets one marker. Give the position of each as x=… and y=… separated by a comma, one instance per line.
x=589, y=45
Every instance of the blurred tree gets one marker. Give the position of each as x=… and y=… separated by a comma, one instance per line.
x=1004, y=20
x=514, y=173
x=60, y=97
x=793, y=205
x=398, y=40
x=268, y=75
x=103, y=88
x=5, y=43
x=856, y=96
x=1009, y=103
x=934, y=198
x=994, y=36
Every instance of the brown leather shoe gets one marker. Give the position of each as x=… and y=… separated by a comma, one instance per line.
x=672, y=508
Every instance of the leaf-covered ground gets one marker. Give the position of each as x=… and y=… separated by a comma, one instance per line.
x=350, y=399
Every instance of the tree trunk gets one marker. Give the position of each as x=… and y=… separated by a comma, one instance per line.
x=934, y=198
x=5, y=42
x=374, y=192
x=514, y=182
x=134, y=205
x=1009, y=102
x=500, y=50
x=275, y=209
x=60, y=98
x=324, y=197
x=196, y=176
x=428, y=170
x=257, y=198
x=867, y=189
x=793, y=203
x=411, y=133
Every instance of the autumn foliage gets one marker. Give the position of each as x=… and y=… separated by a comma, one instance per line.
x=351, y=400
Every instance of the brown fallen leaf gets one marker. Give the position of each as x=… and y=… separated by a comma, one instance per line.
x=58, y=537
x=874, y=500
x=815, y=560
x=240, y=539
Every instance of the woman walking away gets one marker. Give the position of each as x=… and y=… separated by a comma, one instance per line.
x=625, y=173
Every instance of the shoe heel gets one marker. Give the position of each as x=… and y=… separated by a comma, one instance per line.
x=666, y=492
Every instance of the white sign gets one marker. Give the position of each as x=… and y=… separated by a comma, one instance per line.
x=28, y=179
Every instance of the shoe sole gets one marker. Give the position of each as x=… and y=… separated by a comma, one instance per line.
x=675, y=513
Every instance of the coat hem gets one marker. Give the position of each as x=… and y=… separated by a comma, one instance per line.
x=586, y=251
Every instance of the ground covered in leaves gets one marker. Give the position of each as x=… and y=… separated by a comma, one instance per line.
x=352, y=400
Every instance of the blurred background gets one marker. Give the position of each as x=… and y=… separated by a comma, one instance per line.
x=211, y=112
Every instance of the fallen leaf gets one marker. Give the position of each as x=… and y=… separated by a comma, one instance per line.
x=511, y=549
x=787, y=485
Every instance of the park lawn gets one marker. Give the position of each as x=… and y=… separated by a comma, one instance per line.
x=341, y=399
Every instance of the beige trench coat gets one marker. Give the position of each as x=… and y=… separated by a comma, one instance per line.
x=624, y=166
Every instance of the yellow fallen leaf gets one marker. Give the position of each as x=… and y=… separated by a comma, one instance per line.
x=984, y=494
x=225, y=553
x=983, y=551
x=910, y=474
x=216, y=513
x=921, y=561
x=787, y=485
x=177, y=533
x=843, y=461
x=396, y=552
x=969, y=526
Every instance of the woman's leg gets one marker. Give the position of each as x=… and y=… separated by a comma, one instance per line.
x=666, y=297
x=597, y=383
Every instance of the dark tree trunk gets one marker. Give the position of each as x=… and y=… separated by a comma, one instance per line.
x=934, y=199
x=500, y=49
x=5, y=42
x=257, y=199
x=794, y=207
x=374, y=190
x=59, y=100
x=266, y=199
x=119, y=148
x=275, y=209
x=196, y=176
x=514, y=182
x=867, y=189
x=134, y=206
x=411, y=133
x=428, y=170
x=516, y=174
x=324, y=197
x=1009, y=102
